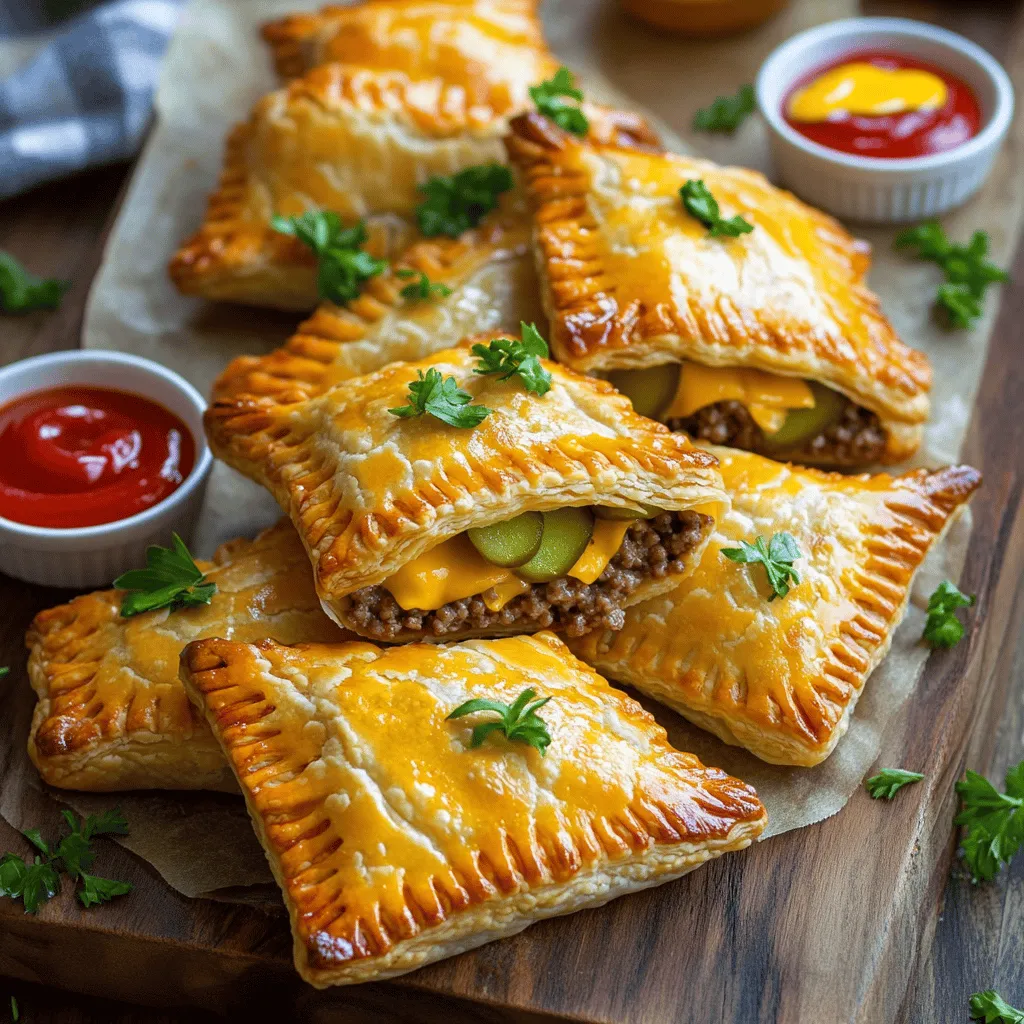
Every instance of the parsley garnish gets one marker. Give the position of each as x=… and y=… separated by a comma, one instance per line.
x=15, y=1012
x=37, y=881
x=443, y=399
x=519, y=721
x=942, y=628
x=4, y=669
x=459, y=202
x=700, y=203
x=889, y=781
x=967, y=269
x=171, y=579
x=22, y=292
x=342, y=265
x=550, y=97
x=994, y=822
x=777, y=557
x=422, y=288
x=523, y=358
x=990, y=1008
x=726, y=113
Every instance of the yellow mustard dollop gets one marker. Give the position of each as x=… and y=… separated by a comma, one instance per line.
x=868, y=91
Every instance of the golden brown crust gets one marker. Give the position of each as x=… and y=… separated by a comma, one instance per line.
x=493, y=287
x=369, y=491
x=111, y=711
x=396, y=844
x=781, y=677
x=630, y=279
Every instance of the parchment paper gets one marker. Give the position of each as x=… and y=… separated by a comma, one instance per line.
x=215, y=68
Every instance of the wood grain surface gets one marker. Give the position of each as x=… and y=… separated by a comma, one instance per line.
x=856, y=919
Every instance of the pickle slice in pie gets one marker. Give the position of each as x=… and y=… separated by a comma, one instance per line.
x=768, y=341
x=484, y=280
x=781, y=676
x=386, y=503
x=112, y=713
x=396, y=842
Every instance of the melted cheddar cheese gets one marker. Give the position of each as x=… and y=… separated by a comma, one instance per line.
x=600, y=550
x=767, y=396
x=864, y=90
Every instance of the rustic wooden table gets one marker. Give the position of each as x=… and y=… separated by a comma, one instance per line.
x=946, y=938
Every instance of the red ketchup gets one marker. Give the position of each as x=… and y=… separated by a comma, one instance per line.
x=81, y=456
x=911, y=133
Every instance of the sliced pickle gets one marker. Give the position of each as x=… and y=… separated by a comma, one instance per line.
x=645, y=511
x=567, y=532
x=651, y=389
x=510, y=543
x=803, y=424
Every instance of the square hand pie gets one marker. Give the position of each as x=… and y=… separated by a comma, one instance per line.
x=491, y=49
x=781, y=677
x=554, y=510
x=492, y=286
x=396, y=842
x=112, y=713
x=766, y=341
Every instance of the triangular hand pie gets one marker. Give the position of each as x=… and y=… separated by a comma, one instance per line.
x=556, y=509
x=112, y=713
x=396, y=842
x=781, y=677
x=769, y=340
x=488, y=271
x=491, y=49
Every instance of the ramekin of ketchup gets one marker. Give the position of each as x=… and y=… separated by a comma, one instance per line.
x=101, y=454
x=884, y=119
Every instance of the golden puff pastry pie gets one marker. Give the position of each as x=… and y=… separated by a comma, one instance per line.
x=355, y=141
x=111, y=711
x=781, y=677
x=554, y=510
x=491, y=283
x=767, y=341
x=492, y=49
x=396, y=842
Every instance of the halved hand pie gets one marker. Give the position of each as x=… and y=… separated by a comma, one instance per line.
x=761, y=336
x=111, y=711
x=556, y=509
x=781, y=676
x=490, y=282
x=397, y=843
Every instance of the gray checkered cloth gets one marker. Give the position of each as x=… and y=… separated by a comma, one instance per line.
x=84, y=98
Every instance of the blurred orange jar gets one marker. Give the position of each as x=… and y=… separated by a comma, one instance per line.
x=704, y=17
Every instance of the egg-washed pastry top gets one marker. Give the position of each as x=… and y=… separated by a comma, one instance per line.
x=781, y=677
x=492, y=286
x=112, y=713
x=767, y=341
x=356, y=141
x=491, y=49
x=396, y=842
x=555, y=510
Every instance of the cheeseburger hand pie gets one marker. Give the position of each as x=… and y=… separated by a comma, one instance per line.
x=478, y=492
x=719, y=304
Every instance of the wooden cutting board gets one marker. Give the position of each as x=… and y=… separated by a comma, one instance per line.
x=832, y=923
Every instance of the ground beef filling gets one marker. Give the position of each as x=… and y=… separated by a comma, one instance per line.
x=651, y=548
x=855, y=438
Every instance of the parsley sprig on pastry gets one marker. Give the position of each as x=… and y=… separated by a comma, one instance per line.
x=767, y=341
x=402, y=514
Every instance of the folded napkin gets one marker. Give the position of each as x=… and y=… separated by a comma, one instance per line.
x=85, y=96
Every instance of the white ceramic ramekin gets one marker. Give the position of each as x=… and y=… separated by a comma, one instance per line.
x=92, y=556
x=882, y=190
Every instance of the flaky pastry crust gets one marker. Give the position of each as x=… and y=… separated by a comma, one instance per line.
x=782, y=677
x=492, y=49
x=369, y=491
x=111, y=711
x=493, y=287
x=395, y=844
x=630, y=279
